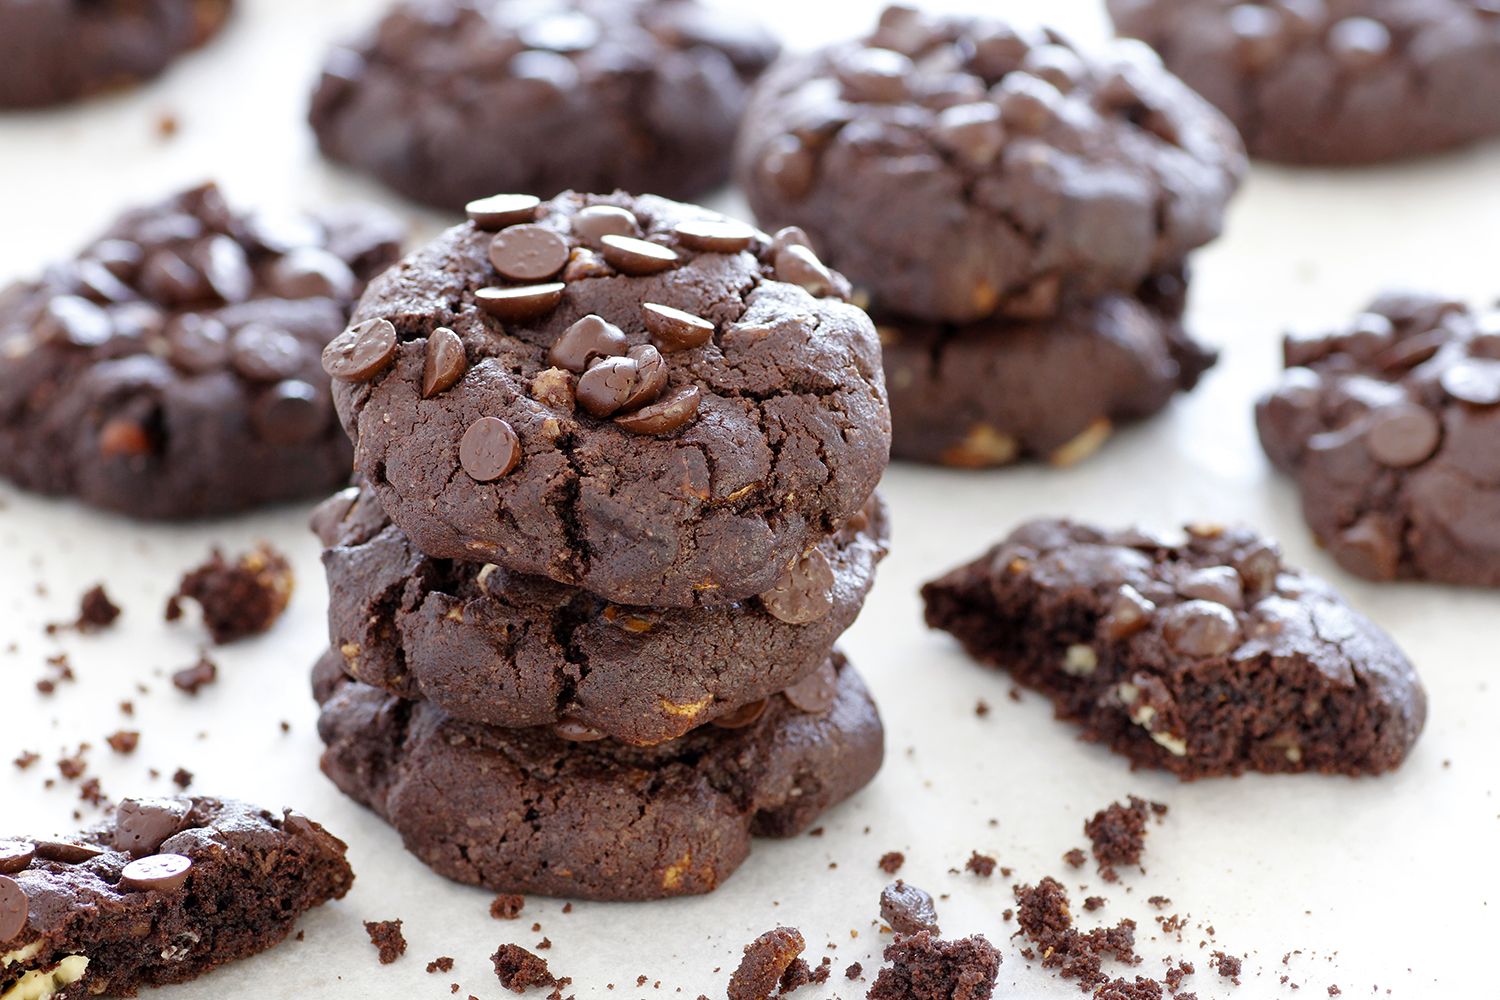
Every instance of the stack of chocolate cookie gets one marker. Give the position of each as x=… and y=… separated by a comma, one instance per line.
x=1018, y=211
x=618, y=458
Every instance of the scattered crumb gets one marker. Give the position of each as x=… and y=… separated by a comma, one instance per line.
x=922, y=967
x=854, y=971
x=387, y=938
x=519, y=970
x=1118, y=834
x=193, y=679
x=1093, y=903
x=238, y=599
x=766, y=960
x=980, y=864
x=1047, y=922
x=123, y=742
x=182, y=778
x=96, y=612
x=507, y=907
x=26, y=759
x=1075, y=858
x=891, y=862
x=442, y=964
x=1227, y=966
x=981, y=708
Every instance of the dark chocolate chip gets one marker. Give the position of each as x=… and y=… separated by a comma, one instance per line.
x=171, y=280
x=675, y=330
x=815, y=692
x=714, y=235
x=223, y=265
x=575, y=731
x=1403, y=435
x=651, y=376
x=528, y=253
x=636, y=257
x=805, y=591
x=665, y=415
x=587, y=340
x=1201, y=628
x=141, y=825
x=1220, y=584
x=14, y=909
x=197, y=343
x=290, y=412
x=517, y=305
x=311, y=273
x=908, y=909
x=67, y=852
x=1359, y=42
x=594, y=223
x=489, y=449
x=1475, y=381
x=265, y=354
x=15, y=856
x=744, y=716
x=604, y=388
x=1128, y=613
x=500, y=210
x=797, y=265
x=69, y=319
x=971, y=132
x=875, y=76
x=445, y=363
x=158, y=873
x=361, y=352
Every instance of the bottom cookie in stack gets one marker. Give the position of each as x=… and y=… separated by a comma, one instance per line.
x=999, y=391
x=529, y=811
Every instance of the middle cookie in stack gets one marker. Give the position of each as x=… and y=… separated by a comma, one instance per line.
x=1018, y=211
x=618, y=459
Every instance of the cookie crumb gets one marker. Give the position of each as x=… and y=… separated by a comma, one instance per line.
x=507, y=907
x=387, y=938
x=766, y=960
x=980, y=864
x=182, y=778
x=891, y=862
x=908, y=909
x=854, y=971
x=124, y=741
x=191, y=680
x=96, y=612
x=1118, y=834
x=440, y=964
x=238, y=599
x=1046, y=920
x=519, y=970
x=922, y=967
x=1227, y=966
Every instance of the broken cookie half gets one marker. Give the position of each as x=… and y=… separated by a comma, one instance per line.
x=1204, y=656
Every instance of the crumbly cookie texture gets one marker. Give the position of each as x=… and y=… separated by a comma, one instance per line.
x=171, y=370
x=960, y=168
x=529, y=811
x=1204, y=657
x=450, y=100
x=672, y=417
x=167, y=890
x=1334, y=81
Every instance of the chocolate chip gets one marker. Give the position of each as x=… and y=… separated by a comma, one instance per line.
x=265, y=354
x=714, y=235
x=1359, y=42
x=805, y=591
x=744, y=716
x=575, y=731
x=1475, y=381
x=797, y=265
x=604, y=388
x=665, y=415
x=815, y=692
x=871, y=75
x=651, y=376
x=908, y=909
x=1259, y=570
x=1128, y=613
x=1220, y=584
x=971, y=132
x=197, y=343
x=15, y=856
x=636, y=257
x=311, y=273
x=445, y=364
x=1402, y=435
x=594, y=223
x=1201, y=628
x=675, y=330
x=224, y=267
x=489, y=449
x=516, y=305
x=500, y=210
x=1028, y=104
x=69, y=319
x=141, y=825
x=528, y=253
x=564, y=31
x=790, y=166
x=1057, y=64
x=14, y=908
x=361, y=352
x=290, y=412
x=158, y=873
x=1257, y=31
x=171, y=280
x=587, y=340
x=121, y=258
x=67, y=852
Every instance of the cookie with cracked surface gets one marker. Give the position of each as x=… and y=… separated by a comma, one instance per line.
x=667, y=418
x=167, y=890
x=1389, y=427
x=1203, y=657
x=1334, y=81
x=959, y=168
x=60, y=50
x=486, y=645
x=525, y=811
x=450, y=100
x=171, y=370
x=998, y=391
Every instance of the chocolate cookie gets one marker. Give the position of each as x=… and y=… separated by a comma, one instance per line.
x=994, y=392
x=629, y=395
x=1334, y=81
x=168, y=889
x=486, y=645
x=1203, y=657
x=53, y=51
x=1389, y=427
x=525, y=811
x=172, y=369
x=959, y=169
x=449, y=100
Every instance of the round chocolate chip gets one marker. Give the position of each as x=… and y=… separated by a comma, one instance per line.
x=714, y=235
x=197, y=343
x=797, y=265
x=528, y=253
x=1220, y=584
x=651, y=376
x=675, y=330
x=265, y=354
x=604, y=388
x=361, y=352
x=489, y=449
x=223, y=265
x=67, y=852
x=1129, y=612
x=290, y=412
x=14, y=908
x=1028, y=104
x=742, y=717
x=69, y=319
x=517, y=305
x=665, y=415
x=311, y=273
x=1201, y=628
x=141, y=825
x=1359, y=42
x=876, y=76
x=636, y=257
x=171, y=280
x=575, y=731
x=500, y=210
x=1475, y=381
x=815, y=692
x=971, y=132
x=158, y=873
x=594, y=223
x=1402, y=435
x=15, y=856
x=445, y=363
x=587, y=340
x=805, y=591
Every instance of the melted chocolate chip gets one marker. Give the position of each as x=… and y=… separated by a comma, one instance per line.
x=1201, y=628
x=489, y=449
x=141, y=825
x=815, y=692
x=445, y=362
x=587, y=340
x=604, y=388
x=665, y=415
x=805, y=591
x=744, y=716
x=158, y=873
x=14, y=908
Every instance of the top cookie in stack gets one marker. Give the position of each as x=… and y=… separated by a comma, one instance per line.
x=618, y=459
x=994, y=188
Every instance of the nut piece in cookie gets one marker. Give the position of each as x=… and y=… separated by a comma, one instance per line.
x=1206, y=656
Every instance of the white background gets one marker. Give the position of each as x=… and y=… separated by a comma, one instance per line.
x=1385, y=883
